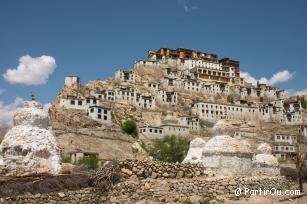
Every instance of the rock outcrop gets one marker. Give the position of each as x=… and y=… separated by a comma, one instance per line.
x=29, y=147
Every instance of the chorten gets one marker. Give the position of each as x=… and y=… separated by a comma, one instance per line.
x=29, y=147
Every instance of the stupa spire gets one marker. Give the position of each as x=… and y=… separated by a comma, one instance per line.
x=33, y=98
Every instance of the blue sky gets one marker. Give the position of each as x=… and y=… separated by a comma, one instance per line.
x=94, y=38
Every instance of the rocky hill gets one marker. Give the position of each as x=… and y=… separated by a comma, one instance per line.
x=3, y=131
x=76, y=130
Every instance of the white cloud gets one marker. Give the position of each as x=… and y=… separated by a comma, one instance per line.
x=281, y=77
x=248, y=78
x=7, y=110
x=47, y=106
x=291, y=92
x=31, y=71
x=277, y=78
x=2, y=91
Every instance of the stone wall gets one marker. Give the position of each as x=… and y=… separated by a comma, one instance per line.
x=156, y=169
x=86, y=195
x=160, y=190
x=157, y=182
x=179, y=190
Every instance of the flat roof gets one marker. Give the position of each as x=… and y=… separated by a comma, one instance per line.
x=225, y=104
x=150, y=126
x=96, y=106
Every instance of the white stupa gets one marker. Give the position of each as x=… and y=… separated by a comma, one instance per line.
x=29, y=147
x=227, y=155
x=194, y=154
x=264, y=163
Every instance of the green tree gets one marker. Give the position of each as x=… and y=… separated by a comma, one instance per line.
x=130, y=128
x=170, y=149
x=90, y=161
x=230, y=99
x=303, y=102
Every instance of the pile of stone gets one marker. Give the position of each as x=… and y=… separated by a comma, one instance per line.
x=156, y=169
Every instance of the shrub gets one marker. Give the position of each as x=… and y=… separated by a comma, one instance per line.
x=187, y=202
x=303, y=102
x=130, y=128
x=90, y=161
x=208, y=199
x=106, y=176
x=169, y=149
x=65, y=159
x=230, y=99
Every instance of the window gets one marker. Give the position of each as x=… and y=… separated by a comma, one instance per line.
x=105, y=117
x=99, y=110
x=105, y=111
x=150, y=130
x=156, y=131
x=92, y=110
x=87, y=100
x=99, y=116
x=94, y=101
x=72, y=102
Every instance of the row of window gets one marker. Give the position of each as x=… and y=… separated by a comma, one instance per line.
x=153, y=85
x=285, y=137
x=105, y=117
x=151, y=130
x=100, y=110
x=109, y=98
x=282, y=148
x=213, y=73
x=221, y=107
x=80, y=102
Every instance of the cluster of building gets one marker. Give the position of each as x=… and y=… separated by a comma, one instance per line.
x=179, y=126
x=191, y=71
x=288, y=112
x=284, y=145
x=90, y=105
